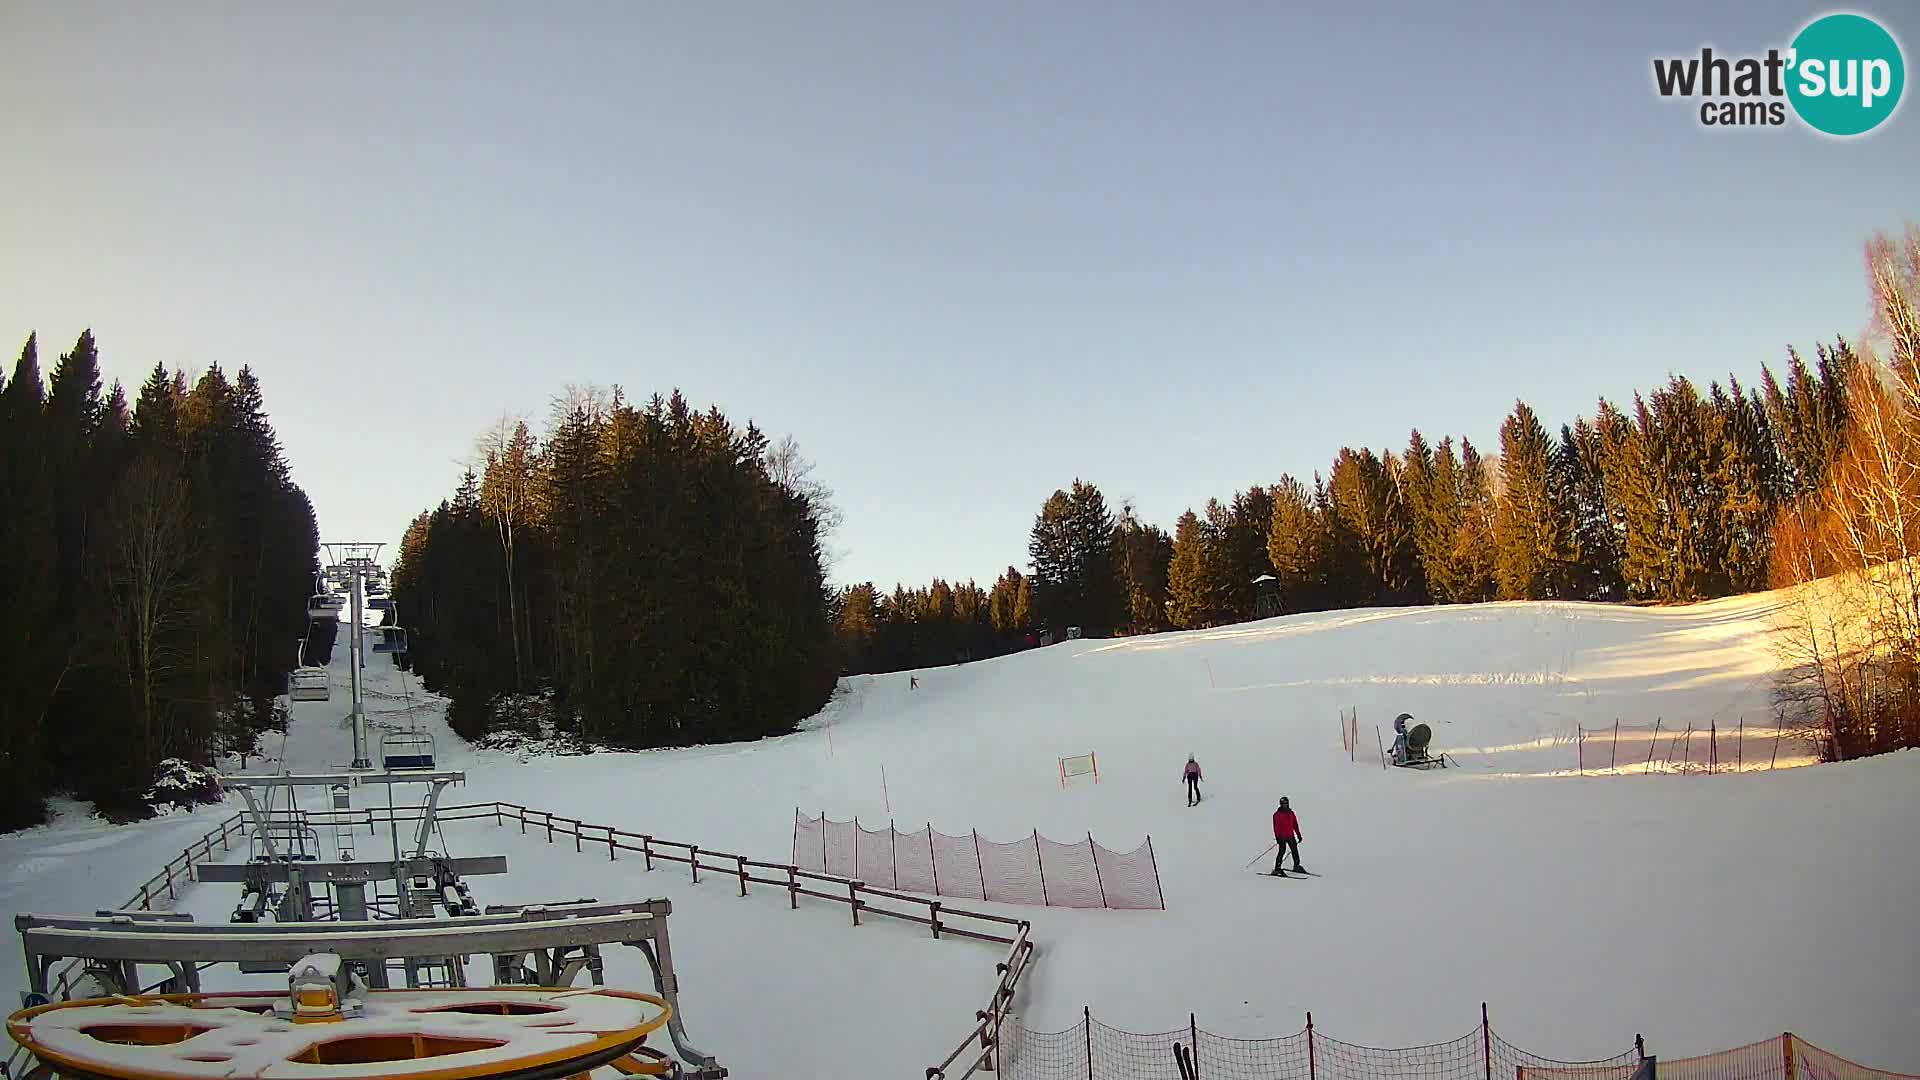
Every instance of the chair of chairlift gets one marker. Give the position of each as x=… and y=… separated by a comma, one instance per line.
x=322, y=606
x=407, y=750
x=390, y=639
x=308, y=684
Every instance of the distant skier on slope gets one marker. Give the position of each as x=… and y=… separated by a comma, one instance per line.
x=1286, y=833
x=1192, y=776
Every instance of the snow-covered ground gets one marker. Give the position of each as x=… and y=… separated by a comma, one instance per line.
x=1704, y=912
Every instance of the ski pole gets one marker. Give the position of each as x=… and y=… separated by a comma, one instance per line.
x=1263, y=853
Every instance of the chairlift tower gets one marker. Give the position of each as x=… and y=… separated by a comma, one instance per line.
x=360, y=559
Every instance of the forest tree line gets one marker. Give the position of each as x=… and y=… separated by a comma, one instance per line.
x=657, y=569
x=1684, y=493
x=158, y=560
x=1671, y=498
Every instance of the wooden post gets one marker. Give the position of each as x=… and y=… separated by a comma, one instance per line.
x=646, y=849
x=743, y=874
x=823, y=833
x=893, y=851
x=693, y=860
x=1486, y=1040
x=1382, y=745
x=1786, y=1053
x=979, y=866
x=930, y=860
x=1740, y=745
x=1312, y=1065
x=1037, y=861
x=549, y=826
x=853, y=900
x=1776, y=748
x=795, y=856
x=1162, y=893
x=793, y=888
x=576, y=835
x=1086, y=1025
x=1713, y=745
x=496, y=815
x=1655, y=745
x=1193, y=1042
x=610, y=854
x=933, y=911
x=1613, y=758
x=1095, y=853
x=1579, y=748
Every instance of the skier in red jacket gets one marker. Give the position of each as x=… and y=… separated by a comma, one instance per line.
x=1286, y=833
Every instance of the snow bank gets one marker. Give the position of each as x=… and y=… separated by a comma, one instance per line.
x=1702, y=911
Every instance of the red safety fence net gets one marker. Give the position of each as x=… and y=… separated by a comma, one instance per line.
x=1657, y=747
x=1091, y=1050
x=1783, y=1057
x=1032, y=870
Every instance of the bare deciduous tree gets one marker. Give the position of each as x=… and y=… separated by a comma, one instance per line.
x=507, y=492
x=148, y=567
x=1850, y=634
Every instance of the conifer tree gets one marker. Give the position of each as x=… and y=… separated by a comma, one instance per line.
x=1577, y=466
x=33, y=664
x=1300, y=547
x=1142, y=554
x=1374, y=525
x=1194, y=577
x=1072, y=551
x=1533, y=532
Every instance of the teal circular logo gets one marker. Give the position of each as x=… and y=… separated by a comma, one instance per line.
x=1845, y=74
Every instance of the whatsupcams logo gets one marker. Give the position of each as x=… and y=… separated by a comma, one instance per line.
x=1842, y=75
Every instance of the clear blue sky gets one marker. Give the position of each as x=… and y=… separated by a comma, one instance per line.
x=963, y=253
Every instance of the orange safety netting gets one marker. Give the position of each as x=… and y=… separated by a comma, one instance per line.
x=1032, y=870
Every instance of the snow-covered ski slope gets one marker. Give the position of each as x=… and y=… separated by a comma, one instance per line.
x=1704, y=912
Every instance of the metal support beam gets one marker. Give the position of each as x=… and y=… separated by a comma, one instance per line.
x=257, y=815
x=46, y=941
x=338, y=872
x=426, y=819
x=238, y=781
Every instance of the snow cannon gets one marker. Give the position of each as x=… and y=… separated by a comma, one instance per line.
x=1411, y=746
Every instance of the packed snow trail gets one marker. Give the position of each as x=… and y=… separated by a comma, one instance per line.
x=1704, y=912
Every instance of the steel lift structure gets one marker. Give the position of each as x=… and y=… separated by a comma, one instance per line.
x=370, y=955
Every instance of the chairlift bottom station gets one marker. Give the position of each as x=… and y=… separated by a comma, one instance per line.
x=343, y=932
